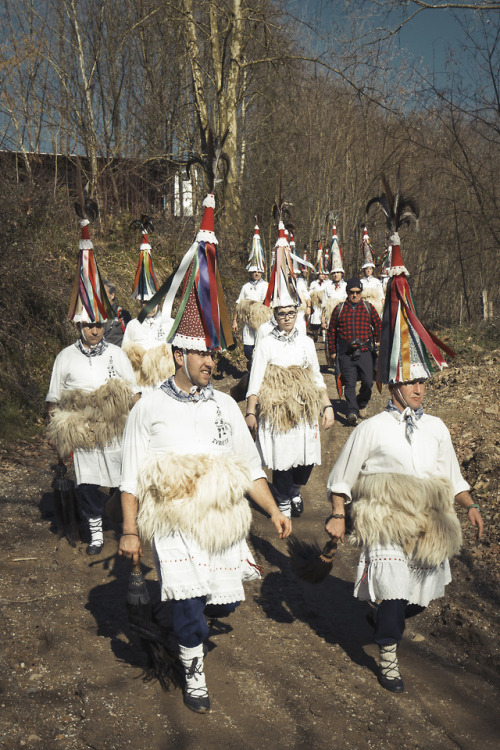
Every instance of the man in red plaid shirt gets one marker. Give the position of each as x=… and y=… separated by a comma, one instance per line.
x=354, y=328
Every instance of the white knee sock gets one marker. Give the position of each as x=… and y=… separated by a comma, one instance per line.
x=95, y=526
x=389, y=666
x=192, y=661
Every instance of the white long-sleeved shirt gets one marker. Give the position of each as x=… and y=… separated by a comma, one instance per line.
x=380, y=445
x=73, y=371
x=284, y=352
x=160, y=424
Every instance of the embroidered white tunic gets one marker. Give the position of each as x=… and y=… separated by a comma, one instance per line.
x=255, y=291
x=160, y=424
x=380, y=445
x=335, y=290
x=73, y=371
x=301, y=445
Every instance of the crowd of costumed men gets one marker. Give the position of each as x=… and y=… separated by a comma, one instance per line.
x=132, y=405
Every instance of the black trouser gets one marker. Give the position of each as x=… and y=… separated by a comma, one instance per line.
x=350, y=369
x=92, y=500
x=189, y=618
x=390, y=620
x=286, y=481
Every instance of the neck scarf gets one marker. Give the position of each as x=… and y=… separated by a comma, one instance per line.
x=171, y=389
x=408, y=415
x=287, y=338
x=91, y=351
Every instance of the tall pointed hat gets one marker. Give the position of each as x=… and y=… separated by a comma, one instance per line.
x=202, y=322
x=282, y=287
x=145, y=284
x=368, y=254
x=321, y=265
x=337, y=264
x=256, y=258
x=89, y=301
x=408, y=350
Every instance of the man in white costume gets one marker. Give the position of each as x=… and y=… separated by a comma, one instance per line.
x=189, y=462
x=145, y=341
x=393, y=475
x=250, y=309
x=316, y=292
x=335, y=292
x=300, y=270
x=91, y=390
x=371, y=288
x=400, y=470
x=289, y=390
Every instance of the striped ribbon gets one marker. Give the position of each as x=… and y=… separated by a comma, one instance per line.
x=89, y=287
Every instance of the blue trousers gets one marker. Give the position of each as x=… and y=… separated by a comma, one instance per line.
x=92, y=500
x=390, y=620
x=286, y=481
x=189, y=618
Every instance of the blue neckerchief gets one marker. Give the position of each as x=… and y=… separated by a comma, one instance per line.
x=91, y=351
x=408, y=415
x=194, y=395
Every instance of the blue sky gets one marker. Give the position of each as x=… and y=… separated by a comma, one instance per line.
x=428, y=36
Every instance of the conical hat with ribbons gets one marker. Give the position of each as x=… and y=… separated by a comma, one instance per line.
x=282, y=287
x=408, y=350
x=256, y=258
x=145, y=284
x=89, y=301
x=202, y=322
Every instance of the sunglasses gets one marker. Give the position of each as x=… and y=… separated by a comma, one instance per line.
x=353, y=291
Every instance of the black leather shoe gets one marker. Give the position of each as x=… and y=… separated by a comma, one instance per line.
x=352, y=419
x=198, y=705
x=394, y=686
x=94, y=549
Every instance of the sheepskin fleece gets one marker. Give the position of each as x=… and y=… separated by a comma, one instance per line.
x=200, y=495
x=151, y=366
x=329, y=306
x=369, y=295
x=317, y=298
x=253, y=313
x=84, y=420
x=416, y=514
x=288, y=396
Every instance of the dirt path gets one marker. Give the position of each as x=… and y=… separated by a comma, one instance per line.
x=298, y=669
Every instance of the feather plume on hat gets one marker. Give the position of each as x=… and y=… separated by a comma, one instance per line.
x=408, y=350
